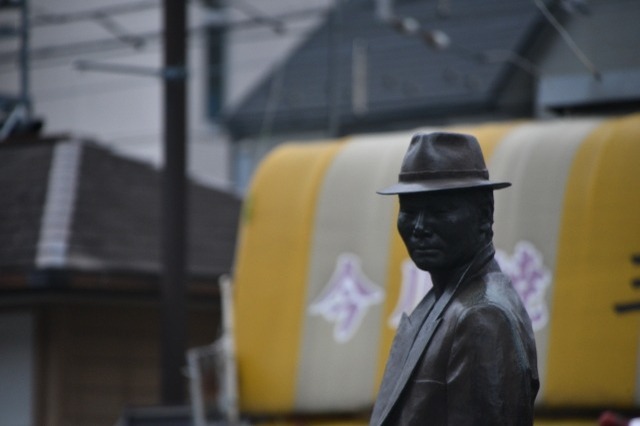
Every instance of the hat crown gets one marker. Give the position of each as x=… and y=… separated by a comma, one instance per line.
x=442, y=154
x=442, y=161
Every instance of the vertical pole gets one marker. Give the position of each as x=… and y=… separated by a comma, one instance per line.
x=173, y=315
x=229, y=350
x=335, y=70
x=24, y=59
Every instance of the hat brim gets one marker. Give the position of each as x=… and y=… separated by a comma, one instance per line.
x=440, y=185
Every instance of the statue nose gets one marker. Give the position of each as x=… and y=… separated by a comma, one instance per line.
x=420, y=227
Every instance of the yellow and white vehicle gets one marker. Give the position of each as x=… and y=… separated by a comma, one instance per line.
x=321, y=274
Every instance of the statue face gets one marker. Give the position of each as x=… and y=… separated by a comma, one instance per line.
x=441, y=230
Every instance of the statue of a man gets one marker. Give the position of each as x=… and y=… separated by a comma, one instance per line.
x=466, y=355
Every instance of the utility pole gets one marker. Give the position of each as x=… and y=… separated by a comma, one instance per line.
x=17, y=109
x=173, y=315
x=335, y=70
x=24, y=60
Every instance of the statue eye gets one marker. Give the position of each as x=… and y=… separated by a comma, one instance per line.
x=413, y=210
x=409, y=208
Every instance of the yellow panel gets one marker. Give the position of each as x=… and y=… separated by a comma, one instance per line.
x=593, y=351
x=277, y=224
x=489, y=136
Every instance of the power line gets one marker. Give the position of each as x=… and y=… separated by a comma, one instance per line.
x=259, y=16
x=568, y=39
x=45, y=19
x=93, y=46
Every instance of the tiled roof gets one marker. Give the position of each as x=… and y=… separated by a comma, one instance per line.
x=76, y=206
x=404, y=78
x=23, y=185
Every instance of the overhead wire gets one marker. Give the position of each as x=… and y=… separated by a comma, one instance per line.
x=52, y=55
x=138, y=39
x=99, y=46
x=43, y=19
x=582, y=57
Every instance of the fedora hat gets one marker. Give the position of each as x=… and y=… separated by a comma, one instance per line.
x=442, y=161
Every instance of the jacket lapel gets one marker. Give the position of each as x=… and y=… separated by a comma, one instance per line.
x=403, y=341
x=415, y=349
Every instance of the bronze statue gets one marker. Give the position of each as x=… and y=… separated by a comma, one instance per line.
x=466, y=355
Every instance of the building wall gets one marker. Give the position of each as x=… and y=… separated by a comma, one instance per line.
x=99, y=359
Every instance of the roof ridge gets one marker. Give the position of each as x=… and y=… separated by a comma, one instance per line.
x=55, y=224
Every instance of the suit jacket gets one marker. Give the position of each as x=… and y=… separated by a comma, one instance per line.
x=465, y=358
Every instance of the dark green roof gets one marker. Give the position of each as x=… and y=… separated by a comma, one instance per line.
x=405, y=78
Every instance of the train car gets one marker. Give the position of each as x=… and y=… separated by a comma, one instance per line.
x=321, y=275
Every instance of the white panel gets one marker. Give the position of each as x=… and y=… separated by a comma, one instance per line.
x=536, y=159
x=352, y=223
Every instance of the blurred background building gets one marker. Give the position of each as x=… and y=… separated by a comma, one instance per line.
x=376, y=66
x=81, y=147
